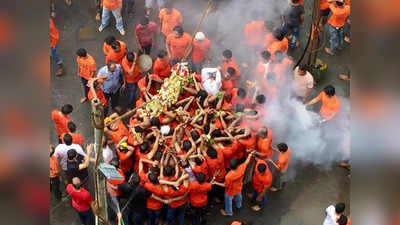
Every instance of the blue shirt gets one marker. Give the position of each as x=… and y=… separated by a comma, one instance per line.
x=112, y=83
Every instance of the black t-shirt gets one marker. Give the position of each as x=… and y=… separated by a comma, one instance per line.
x=73, y=169
x=292, y=15
x=140, y=195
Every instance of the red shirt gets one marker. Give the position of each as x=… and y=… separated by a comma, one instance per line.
x=234, y=180
x=215, y=165
x=229, y=152
x=114, y=192
x=125, y=161
x=77, y=138
x=236, y=100
x=151, y=203
x=264, y=145
x=145, y=34
x=261, y=181
x=203, y=168
x=54, y=34
x=126, y=66
x=249, y=143
x=117, y=135
x=116, y=56
x=100, y=96
x=162, y=68
x=178, y=46
x=200, y=49
x=60, y=122
x=80, y=199
x=198, y=193
x=173, y=194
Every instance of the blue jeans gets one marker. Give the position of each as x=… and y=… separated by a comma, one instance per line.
x=55, y=56
x=153, y=216
x=336, y=36
x=228, y=202
x=294, y=30
x=179, y=212
x=140, y=217
x=255, y=194
x=131, y=93
x=105, y=18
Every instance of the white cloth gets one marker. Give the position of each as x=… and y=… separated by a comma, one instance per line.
x=331, y=216
x=212, y=86
x=108, y=154
x=302, y=85
x=61, y=153
x=199, y=36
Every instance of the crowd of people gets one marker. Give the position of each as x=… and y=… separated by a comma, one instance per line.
x=198, y=133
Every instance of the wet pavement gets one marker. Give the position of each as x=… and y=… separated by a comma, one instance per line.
x=304, y=198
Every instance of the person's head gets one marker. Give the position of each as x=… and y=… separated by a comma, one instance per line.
x=211, y=152
x=168, y=7
x=261, y=168
x=233, y=164
x=67, y=139
x=340, y=3
x=187, y=145
x=271, y=78
x=67, y=109
x=260, y=99
x=206, y=128
x=239, y=107
x=330, y=90
x=282, y=147
x=202, y=95
x=195, y=135
x=110, y=39
x=302, y=70
x=155, y=122
x=216, y=133
x=154, y=170
x=116, y=46
x=130, y=56
x=265, y=56
x=138, y=129
x=71, y=154
x=339, y=208
x=153, y=178
x=228, y=97
x=263, y=132
x=135, y=180
x=231, y=71
x=168, y=171
x=144, y=21
x=162, y=54
x=157, y=156
x=295, y=1
x=278, y=56
x=200, y=36
x=342, y=220
x=226, y=55
x=111, y=66
x=200, y=177
x=76, y=182
x=198, y=161
x=178, y=31
x=114, y=162
x=71, y=127
x=81, y=52
x=278, y=34
x=144, y=147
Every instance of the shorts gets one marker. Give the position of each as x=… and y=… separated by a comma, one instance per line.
x=325, y=12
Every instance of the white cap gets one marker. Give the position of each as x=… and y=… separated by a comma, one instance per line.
x=165, y=130
x=200, y=36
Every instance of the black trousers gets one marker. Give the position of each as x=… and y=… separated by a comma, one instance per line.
x=198, y=215
x=113, y=98
x=87, y=217
x=55, y=187
x=145, y=50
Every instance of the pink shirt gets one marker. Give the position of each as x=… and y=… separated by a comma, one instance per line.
x=145, y=34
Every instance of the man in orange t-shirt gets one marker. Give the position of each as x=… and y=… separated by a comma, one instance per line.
x=198, y=199
x=228, y=61
x=54, y=174
x=233, y=185
x=107, y=44
x=132, y=75
x=281, y=166
x=77, y=138
x=54, y=39
x=178, y=43
x=86, y=69
x=280, y=42
x=264, y=141
x=262, y=180
x=254, y=33
x=114, y=7
x=340, y=13
x=330, y=103
x=117, y=130
x=117, y=53
x=169, y=18
x=200, y=52
x=95, y=91
x=61, y=119
x=161, y=66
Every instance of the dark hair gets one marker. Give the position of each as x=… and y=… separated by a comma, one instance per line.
x=144, y=147
x=211, y=152
x=155, y=121
x=282, y=147
x=227, y=53
x=266, y=55
x=154, y=170
x=206, y=128
x=67, y=139
x=138, y=129
x=130, y=56
x=162, y=54
x=81, y=52
x=110, y=39
x=158, y=155
x=260, y=99
x=114, y=162
x=216, y=133
x=71, y=127
x=241, y=93
x=303, y=67
x=67, y=109
x=329, y=90
x=278, y=56
x=135, y=178
x=168, y=171
x=295, y=1
x=339, y=207
x=153, y=178
x=231, y=71
x=71, y=154
x=278, y=34
x=178, y=29
x=202, y=95
x=233, y=164
x=342, y=220
x=96, y=84
x=144, y=21
x=338, y=3
x=261, y=168
x=239, y=107
x=195, y=135
x=186, y=145
x=201, y=177
x=198, y=161
x=115, y=45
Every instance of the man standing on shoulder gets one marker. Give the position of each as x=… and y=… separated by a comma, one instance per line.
x=114, y=7
x=86, y=69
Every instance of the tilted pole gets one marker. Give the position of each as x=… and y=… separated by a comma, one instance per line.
x=314, y=34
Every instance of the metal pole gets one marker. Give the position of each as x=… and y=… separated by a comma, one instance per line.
x=314, y=34
x=100, y=179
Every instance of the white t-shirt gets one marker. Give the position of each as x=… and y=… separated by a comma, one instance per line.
x=302, y=85
x=212, y=86
x=61, y=153
x=331, y=216
x=108, y=154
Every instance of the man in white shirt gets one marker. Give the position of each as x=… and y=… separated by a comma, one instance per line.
x=211, y=80
x=333, y=213
x=303, y=82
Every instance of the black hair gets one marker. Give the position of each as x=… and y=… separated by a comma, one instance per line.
x=178, y=29
x=339, y=207
x=110, y=39
x=342, y=220
x=303, y=67
x=278, y=56
x=206, y=128
x=67, y=139
x=260, y=99
x=187, y=145
x=239, y=107
x=216, y=133
x=155, y=122
x=71, y=127
x=144, y=147
x=282, y=147
x=211, y=152
x=71, y=154
x=261, y=168
x=329, y=90
x=81, y=52
x=338, y=3
x=162, y=54
x=231, y=71
x=278, y=34
x=115, y=45
x=241, y=93
x=144, y=21
x=153, y=178
x=168, y=171
x=130, y=56
x=157, y=156
x=138, y=129
x=135, y=178
x=266, y=55
x=154, y=170
x=198, y=161
x=201, y=177
x=295, y=1
x=233, y=164
x=227, y=53
x=67, y=109
x=195, y=135
x=202, y=95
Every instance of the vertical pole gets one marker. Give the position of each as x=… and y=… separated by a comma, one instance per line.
x=100, y=180
x=312, y=56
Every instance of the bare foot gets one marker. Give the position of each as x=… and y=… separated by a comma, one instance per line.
x=98, y=18
x=83, y=100
x=224, y=213
x=344, y=77
x=345, y=165
x=53, y=15
x=273, y=189
x=60, y=70
x=329, y=52
x=68, y=2
x=256, y=208
x=347, y=39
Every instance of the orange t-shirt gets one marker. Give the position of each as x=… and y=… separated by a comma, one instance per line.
x=249, y=143
x=162, y=68
x=278, y=46
x=116, y=56
x=112, y=4
x=234, y=180
x=231, y=63
x=126, y=66
x=215, y=165
x=283, y=160
x=200, y=49
x=118, y=134
x=169, y=21
x=268, y=39
x=157, y=190
x=339, y=15
x=198, y=193
x=254, y=32
x=86, y=67
x=77, y=138
x=125, y=161
x=106, y=48
x=264, y=145
x=261, y=181
x=229, y=152
x=236, y=100
x=323, y=5
x=54, y=167
x=178, y=46
x=174, y=194
x=54, y=34
x=203, y=168
x=330, y=105
x=60, y=122
x=100, y=96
